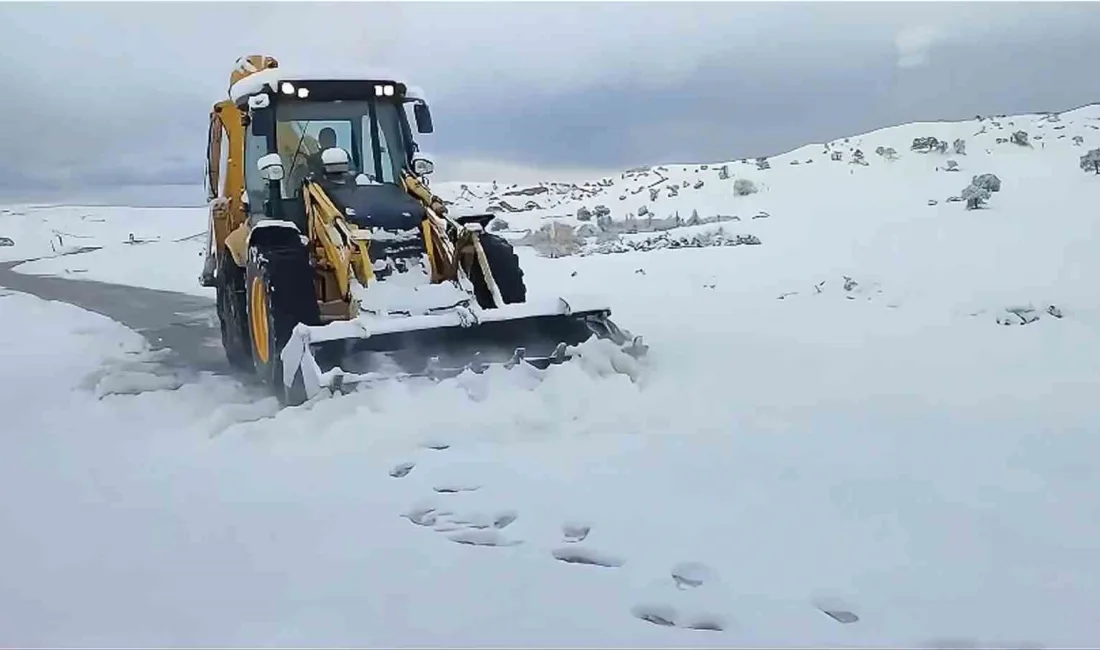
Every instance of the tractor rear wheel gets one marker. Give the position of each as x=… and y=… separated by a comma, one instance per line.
x=232, y=307
x=504, y=265
x=280, y=295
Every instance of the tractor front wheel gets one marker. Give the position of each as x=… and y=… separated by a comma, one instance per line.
x=280, y=295
x=504, y=265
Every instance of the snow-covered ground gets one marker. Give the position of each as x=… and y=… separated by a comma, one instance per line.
x=834, y=419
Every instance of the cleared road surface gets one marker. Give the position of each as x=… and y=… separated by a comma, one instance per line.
x=187, y=325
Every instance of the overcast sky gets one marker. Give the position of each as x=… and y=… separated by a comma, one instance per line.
x=96, y=95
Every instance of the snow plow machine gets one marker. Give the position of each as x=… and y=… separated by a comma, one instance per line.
x=333, y=263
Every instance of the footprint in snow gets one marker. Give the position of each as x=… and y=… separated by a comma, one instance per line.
x=499, y=520
x=575, y=532
x=449, y=523
x=688, y=575
x=425, y=516
x=401, y=470
x=453, y=488
x=482, y=537
x=685, y=576
x=837, y=609
x=657, y=614
x=668, y=616
x=575, y=554
x=841, y=616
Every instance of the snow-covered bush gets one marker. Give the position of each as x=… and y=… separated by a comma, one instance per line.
x=654, y=193
x=1019, y=138
x=1078, y=140
x=604, y=221
x=554, y=239
x=588, y=230
x=584, y=214
x=744, y=187
x=960, y=147
x=975, y=196
x=762, y=163
x=988, y=181
x=924, y=145
x=1091, y=161
x=837, y=156
x=952, y=166
x=498, y=224
x=724, y=172
x=717, y=237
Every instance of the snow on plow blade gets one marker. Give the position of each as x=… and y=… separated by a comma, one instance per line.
x=342, y=354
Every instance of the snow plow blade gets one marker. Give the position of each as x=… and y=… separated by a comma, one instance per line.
x=343, y=354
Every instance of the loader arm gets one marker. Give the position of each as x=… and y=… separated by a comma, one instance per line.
x=344, y=247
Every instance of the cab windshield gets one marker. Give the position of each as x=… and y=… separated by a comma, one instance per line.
x=372, y=132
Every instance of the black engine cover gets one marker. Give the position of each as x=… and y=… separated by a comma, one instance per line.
x=388, y=212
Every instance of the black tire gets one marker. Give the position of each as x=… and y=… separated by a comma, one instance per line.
x=280, y=285
x=504, y=264
x=232, y=306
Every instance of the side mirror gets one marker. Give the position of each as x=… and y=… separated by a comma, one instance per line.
x=271, y=167
x=422, y=164
x=423, y=116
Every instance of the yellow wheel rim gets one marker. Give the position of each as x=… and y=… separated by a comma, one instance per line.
x=257, y=314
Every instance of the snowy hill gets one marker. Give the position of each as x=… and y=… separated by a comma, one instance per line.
x=867, y=420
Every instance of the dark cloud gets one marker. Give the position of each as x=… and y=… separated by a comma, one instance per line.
x=118, y=93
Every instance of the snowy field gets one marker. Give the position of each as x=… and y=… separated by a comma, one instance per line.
x=844, y=435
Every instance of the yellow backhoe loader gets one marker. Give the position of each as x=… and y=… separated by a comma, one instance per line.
x=334, y=264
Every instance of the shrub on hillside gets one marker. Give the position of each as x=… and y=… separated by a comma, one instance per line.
x=924, y=145
x=960, y=147
x=1091, y=161
x=554, y=239
x=744, y=187
x=988, y=181
x=498, y=224
x=975, y=196
x=1020, y=138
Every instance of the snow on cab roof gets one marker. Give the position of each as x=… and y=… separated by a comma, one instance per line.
x=271, y=78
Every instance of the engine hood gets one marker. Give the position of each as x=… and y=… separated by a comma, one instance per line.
x=376, y=206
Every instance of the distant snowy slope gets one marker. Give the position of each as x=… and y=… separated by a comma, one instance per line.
x=686, y=187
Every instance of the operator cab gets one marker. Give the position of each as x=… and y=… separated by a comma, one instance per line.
x=352, y=137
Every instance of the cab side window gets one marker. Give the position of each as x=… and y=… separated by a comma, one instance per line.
x=255, y=186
